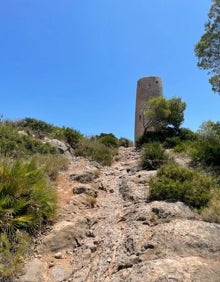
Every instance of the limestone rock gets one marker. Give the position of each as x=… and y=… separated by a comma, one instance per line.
x=35, y=271
x=123, y=237
x=61, y=147
x=86, y=189
x=65, y=235
x=59, y=273
x=186, y=269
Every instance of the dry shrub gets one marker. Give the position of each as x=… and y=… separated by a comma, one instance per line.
x=91, y=201
x=212, y=212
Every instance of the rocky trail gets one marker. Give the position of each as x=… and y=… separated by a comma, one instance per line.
x=107, y=231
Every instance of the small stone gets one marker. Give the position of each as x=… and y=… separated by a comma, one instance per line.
x=58, y=255
x=51, y=264
x=93, y=248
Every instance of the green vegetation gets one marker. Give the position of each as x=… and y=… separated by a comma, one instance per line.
x=40, y=129
x=169, y=137
x=162, y=119
x=13, y=144
x=198, y=186
x=153, y=156
x=12, y=255
x=95, y=150
x=174, y=183
x=27, y=203
x=108, y=140
x=23, y=138
x=27, y=200
x=161, y=113
x=29, y=165
x=207, y=148
x=207, y=49
x=197, y=189
x=124, y=142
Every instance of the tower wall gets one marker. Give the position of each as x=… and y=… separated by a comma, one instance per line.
x=147, y=87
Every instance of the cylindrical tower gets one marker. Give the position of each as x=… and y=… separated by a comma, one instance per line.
x=147, y=87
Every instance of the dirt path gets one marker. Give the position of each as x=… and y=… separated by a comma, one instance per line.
x=106, y=231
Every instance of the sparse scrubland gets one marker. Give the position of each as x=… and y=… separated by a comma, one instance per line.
x=198, y=183
x=29, y=166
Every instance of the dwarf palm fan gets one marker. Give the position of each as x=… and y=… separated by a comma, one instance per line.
x=26, y=197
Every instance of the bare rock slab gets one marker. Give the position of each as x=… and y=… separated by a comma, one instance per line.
x=35, y=271
x=65, y=235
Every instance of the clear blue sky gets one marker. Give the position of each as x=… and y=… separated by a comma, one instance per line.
x=76, y=63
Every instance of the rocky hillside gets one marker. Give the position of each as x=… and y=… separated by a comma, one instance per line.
x=106, y=230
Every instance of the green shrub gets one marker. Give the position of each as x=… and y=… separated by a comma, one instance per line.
x=27, y=200
x=207, y=153
x=40, y=129
x=35, y=127
x=169, y=136
x=34, y=146
x=108, y=139
x=174, y=183
x=95, y=150
x=124, y=142
x=171, y=142
x=68, y=135
x=207, y=149
x=12, y=255
x=185, y=146
x=14, y=144
x=153, y=156
x=186, y=134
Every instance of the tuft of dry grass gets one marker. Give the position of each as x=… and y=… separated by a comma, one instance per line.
x=91, y=201
x=212, y=212
x=51, y=164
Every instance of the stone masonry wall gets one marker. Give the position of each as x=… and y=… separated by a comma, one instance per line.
x=147, y=87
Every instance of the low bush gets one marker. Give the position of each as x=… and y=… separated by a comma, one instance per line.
x=171, y=142
x=40, y=129
x=169, y=136
x=207, y=147
x=108, y=139
x=12, y=255
x=35, y=127
x=174, y=183
x=186, y=147
x=153, y=155
x=15, y=145
x=211, y=213
x=68, y=135
x=95, y=150
x=186, y=134
x=124, y=142
x=207, y=153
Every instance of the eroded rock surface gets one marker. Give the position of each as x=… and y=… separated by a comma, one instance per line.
x=107, y=231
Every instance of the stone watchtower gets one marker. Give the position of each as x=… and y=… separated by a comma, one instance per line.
x=147, y=87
